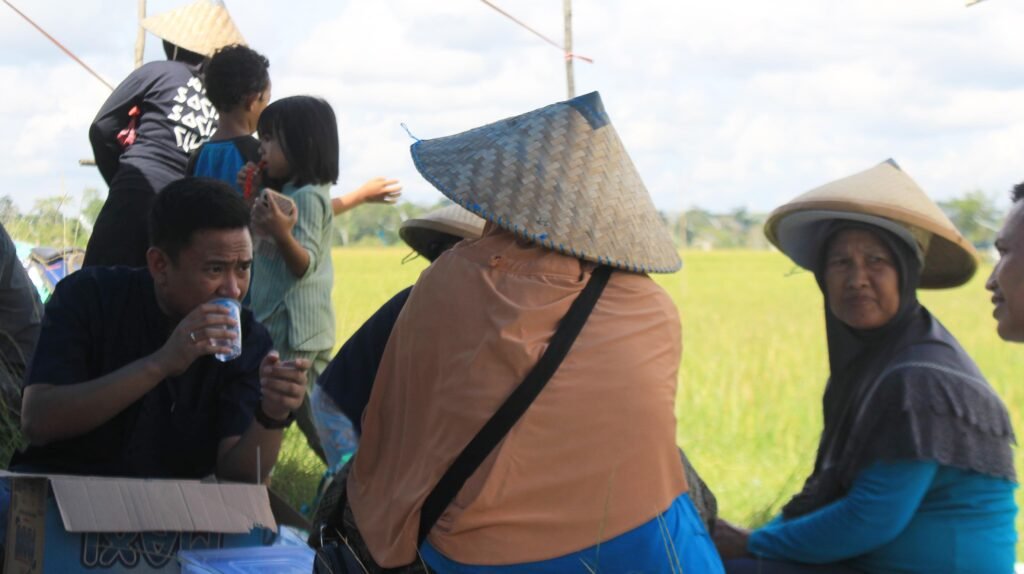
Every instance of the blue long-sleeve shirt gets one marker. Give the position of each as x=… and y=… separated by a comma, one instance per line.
x=904, y=517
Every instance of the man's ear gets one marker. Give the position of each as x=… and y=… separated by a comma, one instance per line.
x=250, y=101
x=158, y=262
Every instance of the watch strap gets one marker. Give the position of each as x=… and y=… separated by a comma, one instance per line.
x=269, y=422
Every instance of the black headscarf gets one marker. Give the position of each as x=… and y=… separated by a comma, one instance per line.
x=903, y=391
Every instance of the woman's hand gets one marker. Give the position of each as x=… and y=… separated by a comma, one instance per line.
x=274, y=214
x=731, y=540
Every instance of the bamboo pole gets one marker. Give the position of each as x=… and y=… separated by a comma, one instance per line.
x=569, y=76
x=140, y=38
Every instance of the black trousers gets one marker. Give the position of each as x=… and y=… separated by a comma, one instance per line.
x=121, y=233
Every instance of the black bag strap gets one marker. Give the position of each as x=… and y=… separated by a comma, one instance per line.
x=514, y=406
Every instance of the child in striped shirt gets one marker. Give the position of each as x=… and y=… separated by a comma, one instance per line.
x=299, y=145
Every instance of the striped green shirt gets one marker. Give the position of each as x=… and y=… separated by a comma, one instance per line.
x=297, y=310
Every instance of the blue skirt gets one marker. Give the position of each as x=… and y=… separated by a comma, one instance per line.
x=674, y=542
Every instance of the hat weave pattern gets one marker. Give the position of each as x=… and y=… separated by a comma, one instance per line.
x=558, y=176
x=203, y=27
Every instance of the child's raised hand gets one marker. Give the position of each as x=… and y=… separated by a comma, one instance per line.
x=274, y=214
x=380, y=190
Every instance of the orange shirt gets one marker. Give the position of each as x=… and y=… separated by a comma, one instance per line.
x=593, y=457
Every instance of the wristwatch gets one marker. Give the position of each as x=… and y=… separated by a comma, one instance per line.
x=270, y=423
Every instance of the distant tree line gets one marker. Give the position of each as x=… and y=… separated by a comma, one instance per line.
x=49, y=221
x=975, y=213
x=63, y=221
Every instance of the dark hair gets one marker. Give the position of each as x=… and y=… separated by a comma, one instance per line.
x=307, y=131
x=179, y=54
x=443, y=242
x=1018, y=192
x=234, y=73
x=193, y=204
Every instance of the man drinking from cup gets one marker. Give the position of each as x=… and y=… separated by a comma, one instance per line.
x=125, y=381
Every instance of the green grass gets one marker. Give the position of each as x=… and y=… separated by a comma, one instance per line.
x=753, y=368
x=752, y=374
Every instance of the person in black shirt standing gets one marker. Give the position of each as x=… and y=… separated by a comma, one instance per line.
x=144, y=132
x=124, y=381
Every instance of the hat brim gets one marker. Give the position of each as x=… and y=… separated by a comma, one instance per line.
x=796, y=228
x=422, y=233
x=202, y=27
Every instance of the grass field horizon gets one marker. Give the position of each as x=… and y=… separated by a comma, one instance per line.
x=752, y=373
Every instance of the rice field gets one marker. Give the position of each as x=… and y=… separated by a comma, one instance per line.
x=753, y=368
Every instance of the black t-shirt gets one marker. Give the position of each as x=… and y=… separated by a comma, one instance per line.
x=349, y=377
x=176, y=118
x=102, y=318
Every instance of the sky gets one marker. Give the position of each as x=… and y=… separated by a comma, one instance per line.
x=721, y=105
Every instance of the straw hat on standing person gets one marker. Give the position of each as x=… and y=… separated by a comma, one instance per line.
x=202, y=27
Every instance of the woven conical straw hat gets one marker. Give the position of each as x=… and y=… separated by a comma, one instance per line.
x=558, y=176
x=202, y=27
x=421, y=233
x=885, y=196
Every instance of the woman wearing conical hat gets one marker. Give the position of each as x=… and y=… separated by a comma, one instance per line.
x=914, y=470
x=143, y=133
x=589, y=478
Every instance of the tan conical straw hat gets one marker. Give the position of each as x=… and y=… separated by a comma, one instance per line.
x=202, y=27
x=885, y=196
x=422, y=233
x=558, y=176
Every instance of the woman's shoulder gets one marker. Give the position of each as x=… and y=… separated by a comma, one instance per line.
x=310, y=188
x=309, y=192
x=165, y=68
x=941, y=378
x=930, y=348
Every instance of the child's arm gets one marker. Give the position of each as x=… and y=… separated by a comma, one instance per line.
x=376, y=190
x=272, y=220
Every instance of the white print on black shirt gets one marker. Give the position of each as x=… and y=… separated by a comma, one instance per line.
x=195, y=115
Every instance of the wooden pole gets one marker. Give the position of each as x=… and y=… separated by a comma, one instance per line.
x=570, y=80
x=140, y=39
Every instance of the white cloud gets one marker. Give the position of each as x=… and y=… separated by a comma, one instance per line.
x=721, y=104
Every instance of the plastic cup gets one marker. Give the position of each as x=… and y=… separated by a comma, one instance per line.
x=235, y=309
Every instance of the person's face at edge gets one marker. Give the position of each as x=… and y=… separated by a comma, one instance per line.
x=862, y=283
x=1007, y=279
x=216, y=263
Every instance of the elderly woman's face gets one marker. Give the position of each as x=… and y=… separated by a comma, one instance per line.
x=862, y=283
